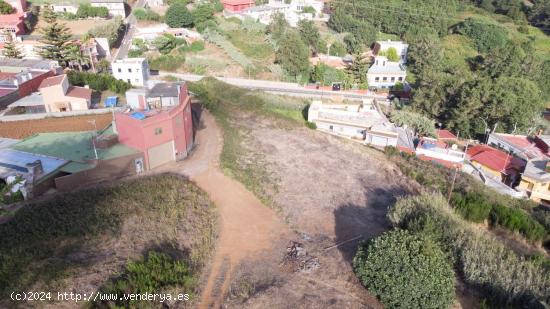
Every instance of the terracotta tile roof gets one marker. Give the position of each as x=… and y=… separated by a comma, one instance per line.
x=79, y=92
x=238, y=2
x=51, y=81
x=446, y=164
x=6, y=75
x=494, y=159
x=445, y=134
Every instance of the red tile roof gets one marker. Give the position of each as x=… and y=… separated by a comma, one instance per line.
x=79, y=92
x=447, y=164
x=445, y=134
x=494, y=159
x=522, y=142
x=51, y=81
x=238, y=2
x=4, y=92
x=6, y=75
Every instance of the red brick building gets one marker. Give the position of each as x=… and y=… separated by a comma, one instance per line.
x=163, y=132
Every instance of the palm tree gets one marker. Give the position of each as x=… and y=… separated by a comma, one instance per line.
x=75, y=56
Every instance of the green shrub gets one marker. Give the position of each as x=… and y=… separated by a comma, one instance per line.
x=111, y=30
x=87, y=10
x=483, y=261
x=391, y=151
x=167, y=62
x=311, y=125
x=155, y=273
x=517, y=220
x=486, y=36
x=146, y=14
x=194, y=47
x=471, y=206
x=405, y=270
x=98, y=82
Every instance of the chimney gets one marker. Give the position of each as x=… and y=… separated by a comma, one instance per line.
x=34, y=169
x=29, y=74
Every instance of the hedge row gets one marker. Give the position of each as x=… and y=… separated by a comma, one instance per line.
x=484, y=262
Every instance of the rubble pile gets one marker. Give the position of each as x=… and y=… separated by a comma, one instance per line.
x=296, y=259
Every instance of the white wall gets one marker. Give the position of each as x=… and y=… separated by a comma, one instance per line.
x=131, y=70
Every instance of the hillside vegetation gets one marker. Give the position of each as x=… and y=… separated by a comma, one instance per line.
x=82, y=241
x=472, y=64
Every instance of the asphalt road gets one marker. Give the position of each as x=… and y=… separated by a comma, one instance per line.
x=275, y=87
x=130, y=22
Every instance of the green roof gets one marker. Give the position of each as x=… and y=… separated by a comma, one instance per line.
x=74, y=146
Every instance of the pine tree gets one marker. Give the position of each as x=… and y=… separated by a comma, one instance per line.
x=10, y=49
x=358, y=70
x=55, y=38
x=48, y=14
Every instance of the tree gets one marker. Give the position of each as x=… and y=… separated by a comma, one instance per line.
x=337, y=49
x=47, y=14
x=278, y=26
x=178, y=16
x=352, y=46
x=11, y=50
x=506, y=60
x=358, y=70
x=74, y=56
x=309, y=34
x=486, y=36
x=392, y=55
x=5, y=8
x=202, y=13
x=293, y=54
x=165, y=43
x=419, y=123
x=405, y=271
x=55, y=37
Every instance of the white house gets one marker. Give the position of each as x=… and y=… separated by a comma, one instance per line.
x=115, y=7
x=385, y=74
x=151, y=32
x=400, y=47
x=132, y=70
x=361, y=122
x=292, y=11
x=64, y=8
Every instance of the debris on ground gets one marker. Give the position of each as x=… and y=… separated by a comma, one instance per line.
x=297, y=259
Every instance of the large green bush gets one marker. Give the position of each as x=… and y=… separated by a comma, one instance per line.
x=471, y=206
x=484, y=262
x=486, y=36
x=98, y=82
x=178, y=16
x=405, y=271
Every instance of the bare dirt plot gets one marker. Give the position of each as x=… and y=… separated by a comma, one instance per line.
x=26, y=128
x=330, y=191
x=77, y=27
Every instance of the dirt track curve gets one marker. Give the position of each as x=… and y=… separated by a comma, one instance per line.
x=247, y=226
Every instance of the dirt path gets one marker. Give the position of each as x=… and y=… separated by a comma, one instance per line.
x=247, y=226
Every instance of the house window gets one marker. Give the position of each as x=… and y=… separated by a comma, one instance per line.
x=393, y=79
x=129, y=81
x=384, y=78
x=331, y=127
x=377, y=79
x=158, y=131
x=129, y=70
x=400, y=78
x=119, y=70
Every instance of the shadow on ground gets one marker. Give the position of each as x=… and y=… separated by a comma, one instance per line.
x=355, y=223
